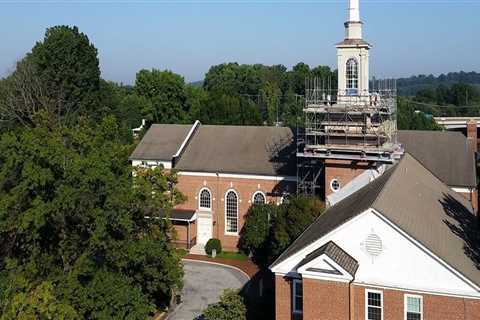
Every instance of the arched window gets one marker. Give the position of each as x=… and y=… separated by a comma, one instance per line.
x=231, y=212
x=352, y=76
x=205, y=199
x=259, y=198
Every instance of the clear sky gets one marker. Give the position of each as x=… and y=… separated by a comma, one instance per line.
x=187, y=37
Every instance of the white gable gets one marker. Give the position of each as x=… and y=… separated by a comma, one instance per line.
x=324, y=268
x=389, y=258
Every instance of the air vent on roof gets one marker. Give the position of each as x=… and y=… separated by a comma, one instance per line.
x=373, y=245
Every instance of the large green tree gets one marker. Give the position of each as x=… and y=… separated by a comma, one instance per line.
x=166, y=92
x=68, y=66
x=72, y=217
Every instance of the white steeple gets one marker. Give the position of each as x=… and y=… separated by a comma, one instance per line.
x=353, y=27
x=353, y=56
x=354, y=11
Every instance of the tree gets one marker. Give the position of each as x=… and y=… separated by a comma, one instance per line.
x=166, y=91
x=230, y=307
x=68, y=66
x=271, y=95
x=71, y=215
x=270, y=229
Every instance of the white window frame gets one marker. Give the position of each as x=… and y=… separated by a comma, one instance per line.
x=405, y=305
x=352, y=79
x=225, y=211
x=200, y=198
x=257, y=192
x=331, y=185
x=294, y=291
x=367, y=291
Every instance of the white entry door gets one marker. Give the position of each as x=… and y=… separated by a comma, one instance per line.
x=204, y=228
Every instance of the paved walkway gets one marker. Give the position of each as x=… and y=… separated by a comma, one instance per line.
x=246, y=266
x=203, y=284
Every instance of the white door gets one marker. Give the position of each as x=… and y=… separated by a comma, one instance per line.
x=204, y=229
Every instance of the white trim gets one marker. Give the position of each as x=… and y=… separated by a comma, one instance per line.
x=367, y=291
x=343, y=277
x=187, y=138
x=237, y=176
x=405, y=305
x=294, y=290
x=316, y=244
x=262, y=193
x=426, y=250
x=461, y=190
x=200, y=202
x=225, y=213
x=433, y=293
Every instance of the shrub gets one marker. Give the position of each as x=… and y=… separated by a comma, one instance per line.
x=213, y=244
x=230, y=307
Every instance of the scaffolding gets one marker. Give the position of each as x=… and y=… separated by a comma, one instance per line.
x=345, y=125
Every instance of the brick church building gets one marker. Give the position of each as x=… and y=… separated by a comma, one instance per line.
x=399, y=238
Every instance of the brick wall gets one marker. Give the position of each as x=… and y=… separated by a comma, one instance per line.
x=342, y=170
x=336, y=301
x=181, y=233
x=245, y=188
x=434, y=307
x=473, y=198
x=325, y=300
x=283, y=298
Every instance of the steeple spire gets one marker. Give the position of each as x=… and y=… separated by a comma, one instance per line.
x=353, y=27
x=354, y=11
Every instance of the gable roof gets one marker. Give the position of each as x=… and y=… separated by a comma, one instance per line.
x=161, y=142
x=417, y=202
x=334, y=252
x=257, y=150
x=445, y=153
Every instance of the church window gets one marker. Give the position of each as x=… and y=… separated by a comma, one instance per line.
x=297, y=296
x=352, y=77
x=259, y=198
x=205, y=199
x=231, y=212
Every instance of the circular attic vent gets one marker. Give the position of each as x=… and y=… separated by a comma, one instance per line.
x=373, y=245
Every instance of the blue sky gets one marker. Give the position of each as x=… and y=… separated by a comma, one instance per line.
x=187, y=37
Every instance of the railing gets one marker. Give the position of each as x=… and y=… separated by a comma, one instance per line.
x=184, y=243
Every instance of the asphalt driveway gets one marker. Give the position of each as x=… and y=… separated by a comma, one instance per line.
x=203, y=284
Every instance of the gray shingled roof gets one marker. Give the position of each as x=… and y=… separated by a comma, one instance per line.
x=446, y=154
x=353, y=42
x=334, y=252
x=416, y=201
x=161, y=142
x=240, y=149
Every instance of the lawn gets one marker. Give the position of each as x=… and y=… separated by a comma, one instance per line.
x=232, y=255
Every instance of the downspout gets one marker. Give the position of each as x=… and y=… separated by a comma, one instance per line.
x=350, y=309
x=218, y=199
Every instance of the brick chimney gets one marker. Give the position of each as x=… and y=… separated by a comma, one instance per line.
x=472, y=134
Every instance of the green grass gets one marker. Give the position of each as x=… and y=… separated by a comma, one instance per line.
x=181, y=252
x=232, y=255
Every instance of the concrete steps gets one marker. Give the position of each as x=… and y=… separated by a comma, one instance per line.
x=198, y=249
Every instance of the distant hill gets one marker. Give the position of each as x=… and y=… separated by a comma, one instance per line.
x=410, y=86
x=196, y=83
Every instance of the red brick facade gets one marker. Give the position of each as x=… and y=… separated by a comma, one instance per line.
x=342, y=170
x=327, y=300
x=218, y=186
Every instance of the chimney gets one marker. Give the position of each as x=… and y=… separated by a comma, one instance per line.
x=472, y=134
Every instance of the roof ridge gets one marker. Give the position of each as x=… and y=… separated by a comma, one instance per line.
x=387, y=183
